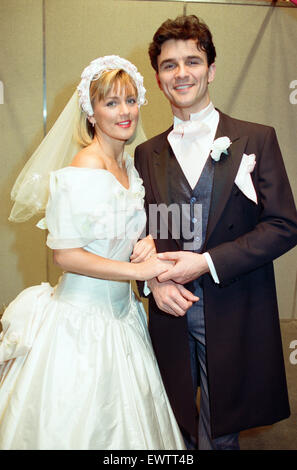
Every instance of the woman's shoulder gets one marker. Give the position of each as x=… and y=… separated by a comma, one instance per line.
x=84, y=169
x=88, y=158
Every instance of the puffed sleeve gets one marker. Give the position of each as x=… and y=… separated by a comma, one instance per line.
x=78, y=210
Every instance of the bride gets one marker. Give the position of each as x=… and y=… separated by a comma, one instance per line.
x=77, y=366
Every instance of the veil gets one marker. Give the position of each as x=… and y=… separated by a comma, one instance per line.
x=31, y=189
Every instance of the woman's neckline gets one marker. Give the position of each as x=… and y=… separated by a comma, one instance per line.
x=102, y=169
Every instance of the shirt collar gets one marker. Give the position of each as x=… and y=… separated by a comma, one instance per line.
x=201, y=116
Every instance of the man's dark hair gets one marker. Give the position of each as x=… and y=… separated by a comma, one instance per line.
x=183, y=27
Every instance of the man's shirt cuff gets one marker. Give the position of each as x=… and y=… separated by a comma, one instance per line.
x=212, y=268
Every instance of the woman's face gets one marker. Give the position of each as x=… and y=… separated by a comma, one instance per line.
x=116, y=115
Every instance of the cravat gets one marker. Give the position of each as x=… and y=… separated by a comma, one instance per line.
x=191, y=142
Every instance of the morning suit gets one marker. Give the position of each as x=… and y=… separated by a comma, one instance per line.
x=244, y=358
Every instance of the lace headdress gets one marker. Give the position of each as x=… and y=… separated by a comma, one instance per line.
x=94, y=71
x=57, y=149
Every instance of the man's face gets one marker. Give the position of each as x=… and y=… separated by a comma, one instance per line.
x=183, y=76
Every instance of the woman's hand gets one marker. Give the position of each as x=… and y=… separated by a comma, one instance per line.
x=143, y=249
x=152, y=267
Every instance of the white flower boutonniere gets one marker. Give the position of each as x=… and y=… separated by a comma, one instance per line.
x=220, y=146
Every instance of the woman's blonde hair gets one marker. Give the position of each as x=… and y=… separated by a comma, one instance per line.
x=99, y=89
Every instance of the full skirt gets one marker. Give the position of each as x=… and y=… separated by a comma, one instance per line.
x=73, y=376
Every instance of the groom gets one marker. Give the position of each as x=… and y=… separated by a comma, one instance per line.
x=235, y=194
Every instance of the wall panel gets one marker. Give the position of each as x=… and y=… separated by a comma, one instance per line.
x=22, y=252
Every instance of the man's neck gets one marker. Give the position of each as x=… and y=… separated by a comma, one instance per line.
x=184, y=114
x=202, y=116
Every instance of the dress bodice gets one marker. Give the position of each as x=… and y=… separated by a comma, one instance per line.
x=90, y=208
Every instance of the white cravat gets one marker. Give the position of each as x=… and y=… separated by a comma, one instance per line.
x=191, y=141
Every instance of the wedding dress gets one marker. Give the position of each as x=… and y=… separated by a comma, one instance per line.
x=77, y=366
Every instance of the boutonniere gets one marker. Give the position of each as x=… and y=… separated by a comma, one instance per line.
x=220, y=146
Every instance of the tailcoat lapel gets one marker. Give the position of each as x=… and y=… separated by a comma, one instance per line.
x=158, y=169
x=225, y=170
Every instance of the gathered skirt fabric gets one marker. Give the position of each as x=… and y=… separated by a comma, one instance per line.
x=77, y=376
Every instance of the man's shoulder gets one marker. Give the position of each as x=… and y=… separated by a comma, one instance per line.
x=245, y=127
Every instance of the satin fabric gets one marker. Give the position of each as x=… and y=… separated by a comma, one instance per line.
x=80, y=372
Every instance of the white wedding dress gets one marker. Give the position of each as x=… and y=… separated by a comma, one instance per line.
x=77, y=366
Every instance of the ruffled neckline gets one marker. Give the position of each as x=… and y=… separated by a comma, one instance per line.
x=129, y=164
x=134, y=194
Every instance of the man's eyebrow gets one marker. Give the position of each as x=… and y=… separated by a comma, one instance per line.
x=165, y=61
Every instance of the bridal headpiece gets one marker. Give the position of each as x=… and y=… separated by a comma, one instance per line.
x=31, y=189
x=94, y=71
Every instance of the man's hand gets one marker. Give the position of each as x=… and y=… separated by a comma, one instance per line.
x=172, y=298
x=188, y=266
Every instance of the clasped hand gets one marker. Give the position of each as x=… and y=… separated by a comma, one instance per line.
x=188, y=266
x=148, y=265
x=170, y=295
x=184, y=267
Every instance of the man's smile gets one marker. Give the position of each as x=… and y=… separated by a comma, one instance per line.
x=183, y=87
